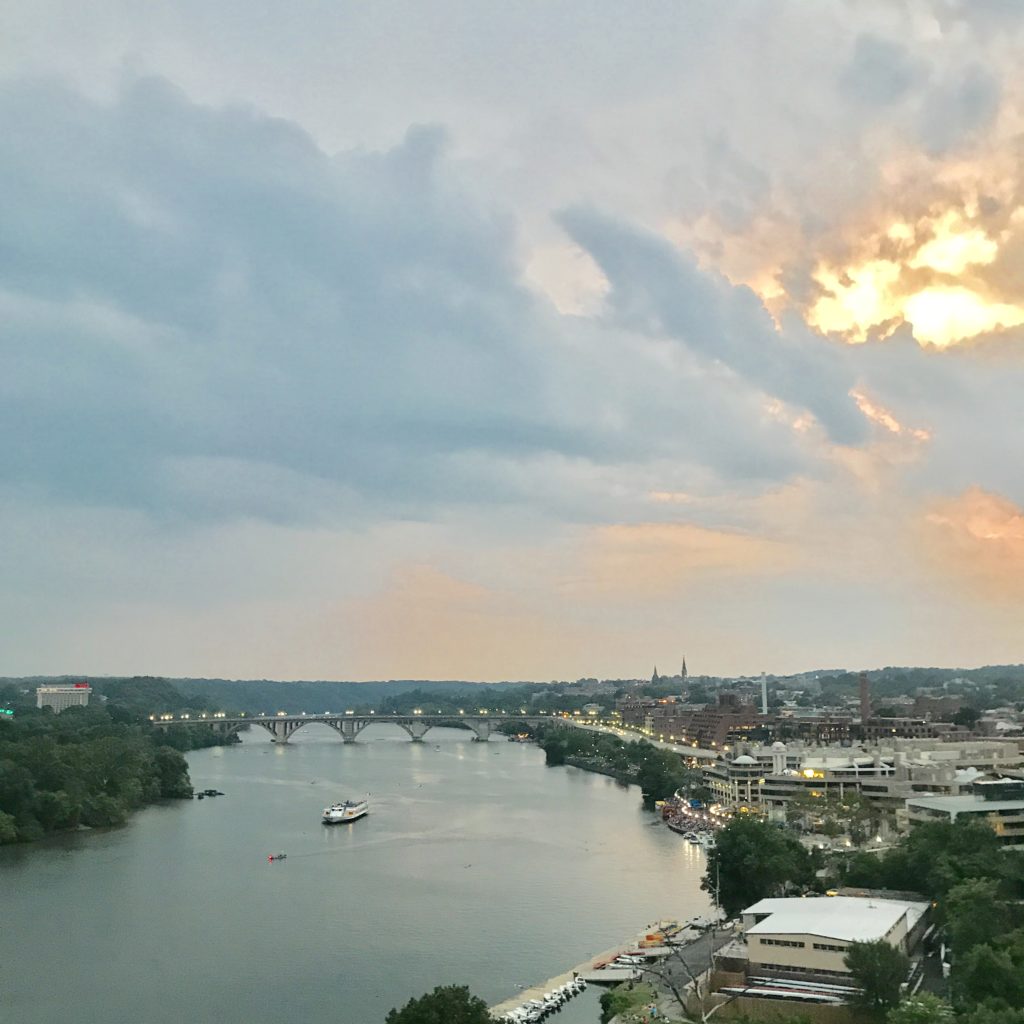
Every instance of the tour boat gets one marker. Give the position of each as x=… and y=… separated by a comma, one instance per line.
x=350, y=810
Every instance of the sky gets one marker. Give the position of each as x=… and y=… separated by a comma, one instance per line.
x=356, y=340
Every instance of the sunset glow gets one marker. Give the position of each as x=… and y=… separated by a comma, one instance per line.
x=877, y=295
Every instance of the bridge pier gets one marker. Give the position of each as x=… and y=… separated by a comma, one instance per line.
x=416, y=730
x=279, y=728
x=482, y=727
x=348, y=728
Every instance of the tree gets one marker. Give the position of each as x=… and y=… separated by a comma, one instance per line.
x=932, y=859
x=172, y=772
x=447, y=1004
x=987, y=973
x=752, y=860
x=878, y=970
x=8, y=829
x=623, y=998
x=967, y=716
x=975, y=914
x=987, y=1013
x=923, y=1008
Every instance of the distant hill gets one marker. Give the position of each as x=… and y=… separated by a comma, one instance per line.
x=270, y=695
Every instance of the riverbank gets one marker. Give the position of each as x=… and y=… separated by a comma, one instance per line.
x=690, y=958
x=589, y=764
x=591, y=964
x=659, y=773
x=84, y=767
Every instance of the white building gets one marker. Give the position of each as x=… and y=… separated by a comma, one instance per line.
x=767, y=778
x=998, y=803
x=61, y=697
x=809, y=938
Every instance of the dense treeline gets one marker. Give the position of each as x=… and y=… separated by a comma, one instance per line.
x=88, y=766
x=659, y=773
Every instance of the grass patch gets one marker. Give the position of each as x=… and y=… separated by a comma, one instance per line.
x=623, y=999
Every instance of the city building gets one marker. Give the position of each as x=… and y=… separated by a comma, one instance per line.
x=766, y=778
x=62, y=697
x=808, y=939
x=875, y=729
x=814, y=725
x=937, y=708
x=998, y=803
x=719, y=725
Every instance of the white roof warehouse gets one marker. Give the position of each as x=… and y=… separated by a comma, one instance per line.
x=811, y=936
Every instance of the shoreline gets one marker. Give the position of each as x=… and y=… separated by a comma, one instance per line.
x=577, y=762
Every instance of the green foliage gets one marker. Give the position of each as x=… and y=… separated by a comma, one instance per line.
x=975, y=914
x=967, y=716
x=923, y=1008
x=752, y=860
x=624, y=998
x=659, y=773
x=991, y=1012
x=934, y=858
x=986, y=973
x=448, y=1004
x=133, y=699
x=8, y=829
x=82, y=767
x=878, y=970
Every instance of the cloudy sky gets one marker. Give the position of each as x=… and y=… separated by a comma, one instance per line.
x=349, y=339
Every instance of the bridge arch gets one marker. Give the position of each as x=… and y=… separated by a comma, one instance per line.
x=347, y=728
x=281, y=729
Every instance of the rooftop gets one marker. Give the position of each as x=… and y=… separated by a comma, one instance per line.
x=955, y=805
x=848, y=918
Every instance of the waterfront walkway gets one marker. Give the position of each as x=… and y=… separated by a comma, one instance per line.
x=538, y=991
x=633, y=736
x=692, y=959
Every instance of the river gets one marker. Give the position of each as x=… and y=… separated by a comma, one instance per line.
x=477, y=865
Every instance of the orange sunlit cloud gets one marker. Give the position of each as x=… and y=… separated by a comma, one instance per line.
x=924, y=279
x=884, y=418
x=980, y=537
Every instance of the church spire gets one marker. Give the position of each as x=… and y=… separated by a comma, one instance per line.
x=683, y=672
x=655, y=678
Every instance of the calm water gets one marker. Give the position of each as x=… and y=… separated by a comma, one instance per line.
x=477, y=865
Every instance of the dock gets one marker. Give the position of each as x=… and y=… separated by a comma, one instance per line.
x=585, y=968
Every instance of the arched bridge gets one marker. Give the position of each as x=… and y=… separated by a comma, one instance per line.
x=281, y=727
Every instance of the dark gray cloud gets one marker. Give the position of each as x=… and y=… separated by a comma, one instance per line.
x=206, y=312
x=880, y=71
x=958, y=108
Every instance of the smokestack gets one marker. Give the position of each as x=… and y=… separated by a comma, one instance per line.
x=865, y=698
x=764, y=694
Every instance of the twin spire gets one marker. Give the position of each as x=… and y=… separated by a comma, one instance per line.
x=682, y=673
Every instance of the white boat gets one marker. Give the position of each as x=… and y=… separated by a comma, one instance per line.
x=349, y=810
